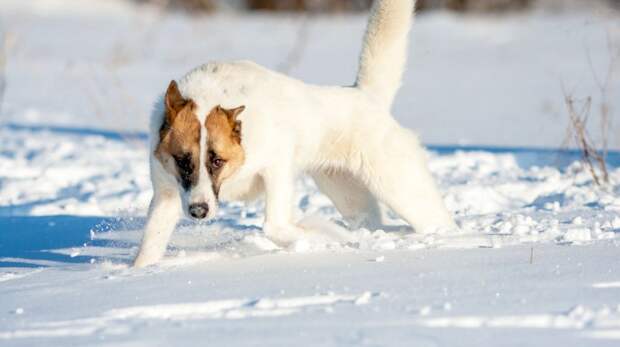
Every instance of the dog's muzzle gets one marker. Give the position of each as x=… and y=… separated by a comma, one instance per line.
x=198, y=211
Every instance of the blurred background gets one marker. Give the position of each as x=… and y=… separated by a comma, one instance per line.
x=361, y=5
x=480, y=72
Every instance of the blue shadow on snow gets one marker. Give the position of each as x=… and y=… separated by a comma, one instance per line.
x=35, y=238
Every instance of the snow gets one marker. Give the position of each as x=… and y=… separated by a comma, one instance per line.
x=413, y=298
x=535, y=262
x=606, y=285
x=576, y=318
x=115, y=320
x=537, y=251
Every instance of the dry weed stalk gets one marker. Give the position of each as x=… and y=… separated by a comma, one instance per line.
x=579, y=112
x=603, y=86
x=592, y=159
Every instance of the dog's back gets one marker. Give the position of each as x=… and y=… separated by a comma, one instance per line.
x=382, y=62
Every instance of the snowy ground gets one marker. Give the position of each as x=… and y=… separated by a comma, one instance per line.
x=536, y=262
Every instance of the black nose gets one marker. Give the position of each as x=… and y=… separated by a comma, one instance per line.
x=198, y=211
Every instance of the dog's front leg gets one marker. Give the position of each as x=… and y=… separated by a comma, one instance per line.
x=279, y=194
x=164, y=213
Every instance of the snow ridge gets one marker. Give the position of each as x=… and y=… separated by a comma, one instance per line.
x=119, y=321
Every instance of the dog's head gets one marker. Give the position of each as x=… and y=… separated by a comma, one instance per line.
x=199, y=156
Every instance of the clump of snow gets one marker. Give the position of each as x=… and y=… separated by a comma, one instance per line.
x=577, y=235
x=605, y=285
x=576, y=318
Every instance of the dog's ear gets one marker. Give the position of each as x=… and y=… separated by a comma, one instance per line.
x=235, y=125
x=175, y=102
x=232, y=114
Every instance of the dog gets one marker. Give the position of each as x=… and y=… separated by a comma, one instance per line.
x=236, y=130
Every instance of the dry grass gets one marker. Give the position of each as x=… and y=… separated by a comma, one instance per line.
x=604, y=85
x=580, y=111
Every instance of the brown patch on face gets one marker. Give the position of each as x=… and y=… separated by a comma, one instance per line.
x=179, y=138
x=224, y=152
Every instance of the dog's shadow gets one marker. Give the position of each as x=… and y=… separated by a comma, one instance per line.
x=32, y=241
x=49, y=241
x=44, y=241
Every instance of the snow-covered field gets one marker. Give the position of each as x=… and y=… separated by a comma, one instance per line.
x=536, y=262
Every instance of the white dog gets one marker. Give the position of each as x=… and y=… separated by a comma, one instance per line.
x=236, y=130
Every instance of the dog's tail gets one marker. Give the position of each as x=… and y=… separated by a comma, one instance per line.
x=384, y=52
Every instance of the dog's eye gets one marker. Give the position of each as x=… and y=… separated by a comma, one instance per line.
x=217, y=162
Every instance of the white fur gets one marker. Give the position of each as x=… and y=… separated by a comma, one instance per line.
x=384, y=53
x=345, y=137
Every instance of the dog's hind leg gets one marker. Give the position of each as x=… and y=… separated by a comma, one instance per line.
x=351, y=198
x=164, y=212
x=395, y=169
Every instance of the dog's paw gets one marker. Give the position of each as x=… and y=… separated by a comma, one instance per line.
x=309, y=234
x=143, y=260
x=283, y=235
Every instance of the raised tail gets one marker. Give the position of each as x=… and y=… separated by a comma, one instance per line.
x=384, y=52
